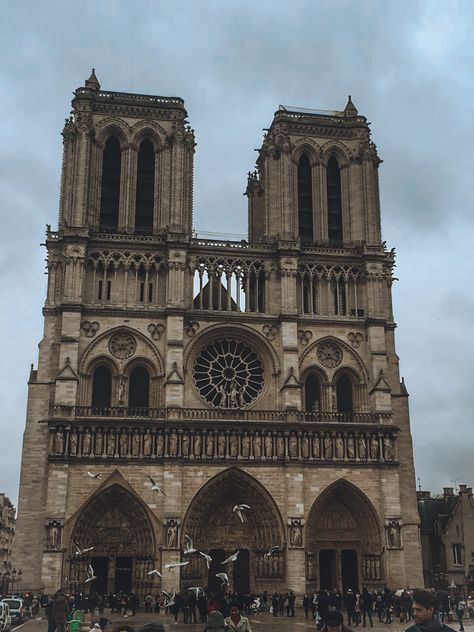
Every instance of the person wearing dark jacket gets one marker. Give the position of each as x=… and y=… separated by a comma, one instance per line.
x=60, y=612
x=335, y=622
x=366, y=605
x=426, y=620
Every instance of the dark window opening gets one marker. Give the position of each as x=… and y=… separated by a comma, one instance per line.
x=333, y=181
x=150, y=292
x=145, y=188
x=139, y=388
x=305, y=200
x=312, y=393
x=102, y=386
x=99, y=291
x=340, y=303
x=142, y=291
x=344, y=394
x=110, y=190
x=109, y=289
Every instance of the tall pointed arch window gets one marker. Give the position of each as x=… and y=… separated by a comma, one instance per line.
x=145, y=197
x=102, y=387
x=110, y=189
x=305, y=200
x=344, y=394
x=139, y=388
x=312, y=394
x=333, y=181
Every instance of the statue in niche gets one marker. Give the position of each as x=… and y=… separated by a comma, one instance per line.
x=221, y=445
x=245, y=446
x=223, y=395
x=339, y=447
x=185, y=444
x=280, y=446
x=197, y=444
x=53, y=536
x=316, y=447
x=234, y=445
x=210, y=445
x=160, y=444
x=257, y=446
x=99, y=442
x=147, y=441
x=393, y=534
x=171, y=534
x=136, y=443
x=327, y=443
x=374, y=448
x=73, y=443
x=121, y=391
x=293, y=446
x=305, y=446
x=269, y=445
x=173, y=450
x=388, y=449
x=350, y=448
x=296, y=533
x=123, y=443
x=58, y=441
x=362, y=449
x=111, y=444
x=86, y=443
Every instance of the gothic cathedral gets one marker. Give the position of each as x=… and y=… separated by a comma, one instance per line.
x=179, y=378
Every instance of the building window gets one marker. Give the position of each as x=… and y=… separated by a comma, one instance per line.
x=344, y=394
x=333, y=182
x=110, y=190
x=102, y=386
x=139, y=388
x=312, y=394
x=457, y=555
x=145, y=198
x=305, y=200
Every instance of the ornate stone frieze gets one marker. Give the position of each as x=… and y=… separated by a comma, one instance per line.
x=122, y=346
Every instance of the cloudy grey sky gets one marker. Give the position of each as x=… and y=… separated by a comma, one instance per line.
x=408, y=66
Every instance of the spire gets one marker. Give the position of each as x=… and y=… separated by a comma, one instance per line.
x=350, y=109
x=92, y=83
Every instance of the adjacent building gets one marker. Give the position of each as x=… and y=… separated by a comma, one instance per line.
x=8, y=575
x=179, y=377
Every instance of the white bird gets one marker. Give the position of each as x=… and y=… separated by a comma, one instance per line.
x=92, y=475
x=80, y=551
x=155, y=571
x=154, y=485
x=223, y=577
x=207, y=557
x=171, y=599
x=175, y=564
x=232, y=558
x=238, y=509
x=188, y=545
x=271, y=552
x=196, y=590
x=90, y=575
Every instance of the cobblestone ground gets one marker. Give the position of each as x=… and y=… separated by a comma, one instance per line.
x=261, y=623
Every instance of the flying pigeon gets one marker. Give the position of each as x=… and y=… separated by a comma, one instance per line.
x=92, y=475
x=154, y=485
x=175, y=564
x=223, y=577
x=196, y=590
x=80, y=551
x=155, y=571
x=90, y=575
x=271, y=552
x=171, y=599
x=188, y=545
x=207, y=557
x=232, y=558
x=238, y=509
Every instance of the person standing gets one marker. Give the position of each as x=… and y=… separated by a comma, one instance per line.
x=366, y=605
x=459, y=606
x=424, y=604
x=148, y=600
x=236, y=622
x=60, y=612
x=306, y=605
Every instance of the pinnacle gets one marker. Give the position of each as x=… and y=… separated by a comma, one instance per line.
x=92, y=82
x=350, y=109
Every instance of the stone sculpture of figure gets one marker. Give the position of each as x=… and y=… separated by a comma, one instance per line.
x=269, y=445
x=171, y=534
x=210, y=445
x=197, y=444
x=333, y=398
x=393, y=534
x=136, y=443
x=293, y=446
x=99, y=442
x=73, y=443
x=377, y=568
x=362, y=449
x=234, y=445
x=223, y=396
x=123, y=442
x=280, y=447
x=316, y=447
x=86, y=443
x=121, y=391
x=173, y=444
x=296, y=533
x=111, y=443
x=245, y=446
x=147, y=441
x=339, y=447
x=185, y=444
x=305, y=446
x=257, y=447
x=374, y=448
x=58, y=441
x=221, y=445
x=350, y=448
x=160, y=444
x=235, y=397
x=327, y=443
x=53, y=536
x=388, y=449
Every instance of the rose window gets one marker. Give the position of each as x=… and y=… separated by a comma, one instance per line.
x=122, y=346
x=228, y=374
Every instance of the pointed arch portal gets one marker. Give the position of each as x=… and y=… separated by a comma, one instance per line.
x=343, y=540
x=218, y=531
x=117, y=526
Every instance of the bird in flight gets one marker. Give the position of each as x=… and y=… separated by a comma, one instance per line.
x=231, y=558
x=80, y=551
x=207, y=557
x=90, y=575
x=197, y=590
x=175, y=565
x=170, y=602
x=188, y=545
x=223, y=577
x=92, y=475
x=156, y=572
x=271, y=552
x=154, y=485
x=239, y=510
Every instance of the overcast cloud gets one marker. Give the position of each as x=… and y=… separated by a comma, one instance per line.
x=408, y=66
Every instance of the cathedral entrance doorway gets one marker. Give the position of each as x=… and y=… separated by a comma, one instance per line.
x=218, y=530
x=343, y=541
x=116, y=528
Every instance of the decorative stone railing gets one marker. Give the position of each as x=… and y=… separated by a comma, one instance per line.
x=236, y=443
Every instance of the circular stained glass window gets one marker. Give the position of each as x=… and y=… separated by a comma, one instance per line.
x=228, y=374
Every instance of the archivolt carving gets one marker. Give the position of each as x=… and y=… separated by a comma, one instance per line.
x=111, y=127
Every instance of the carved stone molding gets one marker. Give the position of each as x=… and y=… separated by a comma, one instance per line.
x=90, y=328
x=270, y=331
x=355, y=338
x=191, y=327
x=304, y=336
x=156, y=330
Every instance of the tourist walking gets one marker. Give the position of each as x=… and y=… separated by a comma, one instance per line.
x=426, y=620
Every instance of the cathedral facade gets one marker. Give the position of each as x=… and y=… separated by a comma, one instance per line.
x=181, y=377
